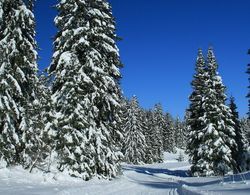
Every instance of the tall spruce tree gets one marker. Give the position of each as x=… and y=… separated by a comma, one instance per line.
x=19, y=82
x=220, y=117
x=135, y=144
x=86, y=89
x=213, y=141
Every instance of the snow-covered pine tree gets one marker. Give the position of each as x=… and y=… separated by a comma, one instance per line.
x=135, y=144
x=218, y=136
x=168, y=134
x=158, y=124
x=86, y=88
x=147, y=132
x=179, y=134
x=240, y=139
x=18, y=75
x=195, y=112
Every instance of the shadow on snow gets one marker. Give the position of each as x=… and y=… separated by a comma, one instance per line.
x=169, y=183
x=153, y=171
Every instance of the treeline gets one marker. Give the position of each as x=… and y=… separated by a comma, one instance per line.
x=149, y=133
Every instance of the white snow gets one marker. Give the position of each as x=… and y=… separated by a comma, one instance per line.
x=169, y=177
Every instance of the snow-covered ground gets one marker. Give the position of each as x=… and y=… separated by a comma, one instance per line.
x=170, y=177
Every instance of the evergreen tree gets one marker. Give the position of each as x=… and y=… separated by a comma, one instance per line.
x=134, y=145
x=168, y=134
x=86, y=89
x=180, y=141
x=19, y=82
x=154, y=152
x=239, y=138
x=158, y=124
x=147, y=131
x=218, y=135
x=213, y=141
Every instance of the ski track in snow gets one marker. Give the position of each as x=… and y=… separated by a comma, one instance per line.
x=168, y=178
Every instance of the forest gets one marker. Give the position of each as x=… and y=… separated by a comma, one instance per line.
x=74, y=118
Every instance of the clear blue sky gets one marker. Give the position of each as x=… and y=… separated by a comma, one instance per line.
x=160, y=42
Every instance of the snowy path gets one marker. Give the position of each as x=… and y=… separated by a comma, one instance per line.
x=168, y=178
x=156, y=179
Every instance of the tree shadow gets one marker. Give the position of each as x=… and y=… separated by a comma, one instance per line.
x=177, y=183
x=245, y=190
x=153, y=171
x=176, y=173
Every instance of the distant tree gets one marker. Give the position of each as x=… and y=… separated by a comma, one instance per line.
x=147, y=119
x=135, y=144
x=179, y=134
x=153, y=137
x=168, y=134
x=157, y=126
x=185, y=128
